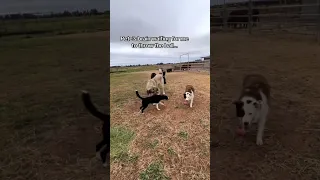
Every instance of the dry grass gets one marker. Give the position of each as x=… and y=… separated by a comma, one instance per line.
x=45, y=131
x=291, y=149
x=175, y=138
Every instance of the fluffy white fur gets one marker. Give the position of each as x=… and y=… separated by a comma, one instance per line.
x=256, y=112
x=159, y=80
x=190, y=97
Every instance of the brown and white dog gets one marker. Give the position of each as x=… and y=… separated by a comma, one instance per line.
x=253, y=104
x=189, y=94
x=155, y=82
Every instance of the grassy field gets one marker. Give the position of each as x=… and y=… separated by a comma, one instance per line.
x=123, y=69
x=291, y=141
x=172, y=143
x=54, y=26
x=45, y=131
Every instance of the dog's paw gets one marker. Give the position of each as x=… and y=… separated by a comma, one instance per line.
x=158, y=109
x=259, y=142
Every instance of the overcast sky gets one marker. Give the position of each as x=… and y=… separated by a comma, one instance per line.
x=180, y=18
x=46, y=6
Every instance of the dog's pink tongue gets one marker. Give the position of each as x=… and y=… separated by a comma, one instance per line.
x=240, y=131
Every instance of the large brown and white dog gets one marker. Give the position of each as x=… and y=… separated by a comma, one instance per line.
x=189, y=94
x=152, y=87
x=155, y=82
x=253, y=104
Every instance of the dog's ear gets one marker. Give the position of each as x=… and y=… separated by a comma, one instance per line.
x=153, y=75
x=239, y=108
x=237, y=102
x=257, y=104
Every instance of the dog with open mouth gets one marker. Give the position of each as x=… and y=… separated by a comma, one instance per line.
x=103, y=147
x=189, y=95
x=253, y=104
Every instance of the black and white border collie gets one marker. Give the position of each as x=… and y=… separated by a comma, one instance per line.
x=103, y=147
x=253, y=104
x=155, y=99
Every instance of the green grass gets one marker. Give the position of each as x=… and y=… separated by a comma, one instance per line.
x=120, y=139
x=132, y=69
x=171, y=151
x=183, y=135
x=154, y=171
x=153, y=144
x=40, y=104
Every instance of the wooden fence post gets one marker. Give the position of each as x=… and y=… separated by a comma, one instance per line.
x=188, y=63
x=180, y=63
x=250, y=17
x=225, y=15
x=318, y=19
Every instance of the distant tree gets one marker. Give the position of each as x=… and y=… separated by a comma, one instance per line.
x=28, y=16
x=94, y=12
x=85, y=13
x=76, y=13
x=66, y=14
x=16, y=16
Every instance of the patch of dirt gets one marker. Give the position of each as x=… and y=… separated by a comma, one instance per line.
x=46, y=133
x=291, y=140
x=182, y=132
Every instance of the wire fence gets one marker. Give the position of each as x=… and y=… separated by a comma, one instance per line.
x=184, y=62
x=269, y=16
x=202, y=64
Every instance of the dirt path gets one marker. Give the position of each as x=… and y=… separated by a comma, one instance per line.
x=182, y=133
x=291, y=149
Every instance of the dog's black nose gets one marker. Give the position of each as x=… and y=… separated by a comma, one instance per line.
x=245, y=123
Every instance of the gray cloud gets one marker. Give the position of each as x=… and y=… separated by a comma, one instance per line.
x=181, y=18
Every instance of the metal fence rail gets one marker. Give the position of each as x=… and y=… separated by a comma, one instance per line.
x=276, y=17
x=193, y=66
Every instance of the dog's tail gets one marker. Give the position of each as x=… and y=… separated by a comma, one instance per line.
x=91, y=108
x=137, y=93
